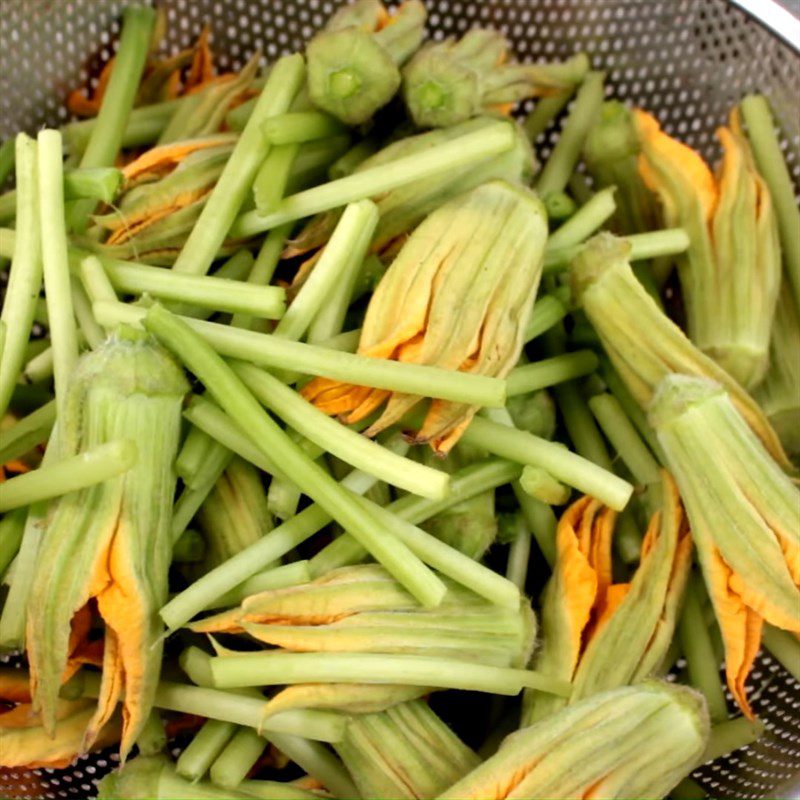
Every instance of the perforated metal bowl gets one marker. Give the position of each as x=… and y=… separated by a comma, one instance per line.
x=687, y=61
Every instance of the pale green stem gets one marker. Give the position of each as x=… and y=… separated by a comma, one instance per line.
x=68, y=475
x=457, y=154
x=201, y=752
x=273, y=351
x=551, y=371
x=283, y=668
x=622, y=434
x=58, y=291
x=237, y=758
x=362, y=453
x=348, y=243
x=30, y=431
x=585, y=221
x=25, y=274
x=565, y=155
x=232, y=186
x=108, y=130
x=568, y=467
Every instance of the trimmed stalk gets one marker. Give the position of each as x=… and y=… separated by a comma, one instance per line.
x=551, y=371
x=272, y=351
x=231, y=189
x=456, y=154
x=68, y=475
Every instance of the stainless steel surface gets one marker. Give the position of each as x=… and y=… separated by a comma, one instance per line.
x=686, y=60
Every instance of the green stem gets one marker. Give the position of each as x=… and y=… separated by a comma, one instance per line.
x=562, y=161
x=542, y=486
x=347, y=341
x=240, y=709
x=101, y=183
x=6, y=160
x=15, y=608
x=87, y=324
x=192, y=455
x=455, y=154
x=633, y=411
x=143, y=127
x=153, y=738
x=216, y=460
x=622, y=434
x=190, y=548
x=202, y=751
x=11, y=528
x=296, y=127
x=541, y=521
x=293, y=574
x=264, y=267
x=273, y=351
x=731, y=735
x=283, y=497
x=239, y=403
x=319, y=762
x=544, y=112
x=282, y=668
x=547, y=312
x=269, y=185
x=464, y=485
x=348, y=243
x=701, y=665
x=771, y=164
x=353, y=448
x=40, y=367
x=784, y=647
x=348, y=163
x=568, y=467
x=447, y=560
x=237, y=758
x=667, y=242
x=589, y=218
x=30, y=431
x=232, y=186
x=559, y=207
x=551, y=371
x=68, y=475
x=579, y=187
x=25, y=274
x=219, y=294
x=105, y=139
x=519, y=554
x=95, y=281
x=581, y=428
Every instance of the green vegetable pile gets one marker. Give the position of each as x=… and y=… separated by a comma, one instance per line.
x=362, y=455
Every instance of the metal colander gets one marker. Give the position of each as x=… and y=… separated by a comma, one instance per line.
x=688, y=61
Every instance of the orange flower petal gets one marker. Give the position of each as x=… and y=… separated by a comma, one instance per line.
x=740, y=627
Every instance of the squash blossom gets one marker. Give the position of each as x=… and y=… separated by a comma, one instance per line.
x=731, y=273
x=599, y=634
x=636, y=741
x=744, y=513
x=457, y=296
x=354, y=63
x=362, y=609
x=164, y=191
x=450, y=81
x=643, y=344
x=404, y=752
x=109, y=545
